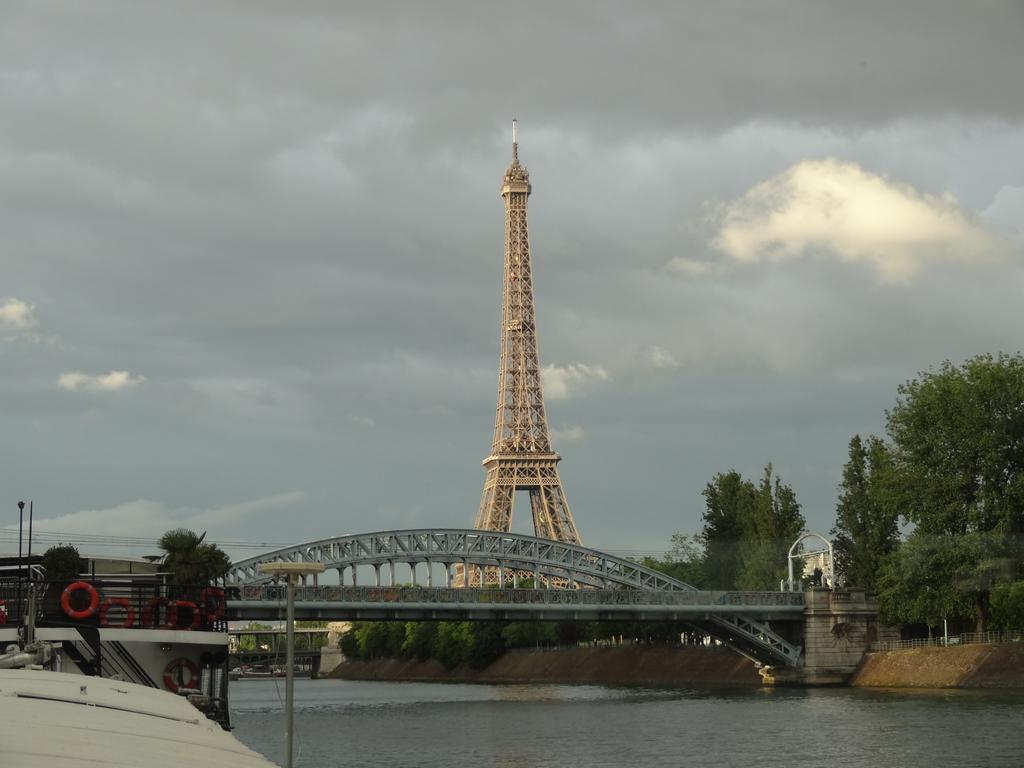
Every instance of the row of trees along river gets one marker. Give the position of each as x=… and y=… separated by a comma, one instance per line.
x=930, y=518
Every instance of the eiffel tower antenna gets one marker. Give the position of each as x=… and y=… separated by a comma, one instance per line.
x=521, y=456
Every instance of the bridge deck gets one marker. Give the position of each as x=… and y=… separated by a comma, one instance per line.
x=426, y=603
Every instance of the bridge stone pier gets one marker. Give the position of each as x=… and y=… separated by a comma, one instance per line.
x=838, y=628
x=330, y=653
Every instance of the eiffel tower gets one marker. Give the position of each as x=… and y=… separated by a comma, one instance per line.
x=521, y=455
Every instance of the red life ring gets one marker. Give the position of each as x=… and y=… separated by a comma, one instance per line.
x=214, y=605
x=77, y=586
x=188, y=605
x=173, y=673
x=151, y=614
x=118, y=602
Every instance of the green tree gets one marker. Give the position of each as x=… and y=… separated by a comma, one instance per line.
x=62, y=563
x=372, y=639
x=774, y=522
x=918, y=584
x=349, y=644
x=529, y=634
x=684, y=561
x=488, y=644
x=419, y=639
x=729, y=500
x=866, y=531
x=395, y=639
x=1007, y=605
x=192, y=560
x=957, y=438
x=453, y=643
x=251, y=642
x=314, y=641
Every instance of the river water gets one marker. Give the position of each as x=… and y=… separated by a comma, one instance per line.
x=346, y=723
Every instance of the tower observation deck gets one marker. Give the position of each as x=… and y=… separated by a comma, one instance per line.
x=521, y=455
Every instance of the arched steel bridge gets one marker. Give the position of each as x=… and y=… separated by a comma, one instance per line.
x=601, y=587
x=548, y=560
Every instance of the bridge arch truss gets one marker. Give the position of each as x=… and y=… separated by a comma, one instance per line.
x=550, y=562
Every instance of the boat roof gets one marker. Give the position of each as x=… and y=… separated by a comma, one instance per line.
x=63, y=720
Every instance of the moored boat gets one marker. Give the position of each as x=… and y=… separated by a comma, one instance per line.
x=62, y=720
x=122, y=619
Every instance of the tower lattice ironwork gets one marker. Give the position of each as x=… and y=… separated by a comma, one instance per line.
x=521, y=455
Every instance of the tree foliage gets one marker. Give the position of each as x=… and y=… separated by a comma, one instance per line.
x=774, y=523
x=866, y=532
x=728, y=501
x=748, y=530
x=1007, y=605
x=915, y=585
x=192, y=560
x=529, y=634
x=316, y=641
x=419, y=640
x=62, y=563
x=684, y=561
x=253, y=643
x=958, y=446
x=957, y=436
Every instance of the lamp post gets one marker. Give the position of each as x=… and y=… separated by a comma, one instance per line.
x=21, y=519
x=290, y=572
x=30, y=515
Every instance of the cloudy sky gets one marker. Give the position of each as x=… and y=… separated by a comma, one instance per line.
x=250, y=270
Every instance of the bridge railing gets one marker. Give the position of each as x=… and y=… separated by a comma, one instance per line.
x=467, y=595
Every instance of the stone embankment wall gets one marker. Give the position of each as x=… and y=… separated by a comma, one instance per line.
x=967, y=666
x=964, y=666
x=629, y=665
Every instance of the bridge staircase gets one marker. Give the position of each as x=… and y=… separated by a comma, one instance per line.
x=754, y=639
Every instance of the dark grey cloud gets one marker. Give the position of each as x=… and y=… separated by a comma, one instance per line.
x=285, y=219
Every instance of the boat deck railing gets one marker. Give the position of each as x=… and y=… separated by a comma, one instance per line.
x=112, y=602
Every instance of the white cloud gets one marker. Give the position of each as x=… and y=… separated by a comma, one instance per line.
x=662, y=359
x=17, y=315
x=560, y=382
x=569, y=434
x=857, y=215
x=110, y=382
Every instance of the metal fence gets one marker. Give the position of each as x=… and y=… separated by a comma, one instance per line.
x=965, y=638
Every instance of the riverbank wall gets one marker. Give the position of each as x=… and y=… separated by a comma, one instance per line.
x=623, y=665
x=964, y=666
x=968, y=666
